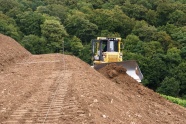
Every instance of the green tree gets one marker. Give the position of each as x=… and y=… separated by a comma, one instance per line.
x=29, y=22
x=42, y=10
x=137, y=11
x=163, y=10
x=152, y=48
x=72, y=4
x=76, y=46
x=154, y=70
x=169, y=28
x=106, y=33
x=178, y=18
x=144, y=31
x=60, y=2
x=30, y=4
x=96, y=4
x=170, y=86
x=35, y=3
x=86, y=54
x=85, y=7
x=7, y=5
x=152, y=17
x=180, y=75
x=146, y=3
x=14, y=12
x=113, y=20
x=183, y=53
x=54, y=32
x=34, y=44
x=57, y=10
x=163, y=38
x=77, y=24
x=9, y=27
x=180, y=36
x=173, y=57
x=131, y=42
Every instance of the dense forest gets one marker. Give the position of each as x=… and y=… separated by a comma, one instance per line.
x=152, y=31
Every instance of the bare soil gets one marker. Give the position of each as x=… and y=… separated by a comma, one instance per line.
x=62, y=89
x=10, y=52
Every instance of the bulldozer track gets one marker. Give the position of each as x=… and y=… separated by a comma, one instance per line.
x=48, y=112
x=51, y=111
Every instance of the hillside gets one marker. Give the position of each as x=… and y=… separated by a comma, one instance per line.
x=57, y=88
x=10, y=51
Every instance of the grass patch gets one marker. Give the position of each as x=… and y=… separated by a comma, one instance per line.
x=178, y=101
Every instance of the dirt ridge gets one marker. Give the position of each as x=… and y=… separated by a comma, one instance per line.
x=109, y=96
x=10, y=51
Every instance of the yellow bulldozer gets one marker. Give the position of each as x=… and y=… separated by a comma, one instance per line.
x=108, y=50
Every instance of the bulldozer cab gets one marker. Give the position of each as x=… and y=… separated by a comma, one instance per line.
x=102, y=46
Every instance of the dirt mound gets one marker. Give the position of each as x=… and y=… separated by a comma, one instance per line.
x=112, y=70
x=121, y=99
x=60, y=89
x=141, y=105
x=10, y=51
x=117, y=74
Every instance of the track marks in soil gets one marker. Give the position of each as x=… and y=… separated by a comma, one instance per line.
x=54, y=100
x=34, y=108
x=50, y=112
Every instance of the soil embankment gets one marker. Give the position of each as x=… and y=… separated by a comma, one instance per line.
x=10, y=51
x=60, y=89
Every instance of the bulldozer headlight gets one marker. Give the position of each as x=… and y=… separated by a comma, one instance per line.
x=120, y=55
x=96, y=57
x=104, y=54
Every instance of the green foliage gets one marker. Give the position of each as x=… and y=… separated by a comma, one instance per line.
x=131, y=43
x=54, y=32
x=34, y=44
x=180, y=75
x=78, y=25
x=29, y=22
x=163, y=10
x=76, y=46
x=164, y=39
x=178, y=101
x=30, y=4
x=57, y=10
x=7, y=5
x=173, y=55
x=9, y=27
x=151, y=17
x=144, y=31
x=183, y=52
x=137, y=11
x=178, y=17
x=180, y=36
x=169, y=86
x=113, y=20
x=86, y=54
x=152, y=48
x=154, y=70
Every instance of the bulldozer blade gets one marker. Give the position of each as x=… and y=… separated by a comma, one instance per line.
x=131, y=66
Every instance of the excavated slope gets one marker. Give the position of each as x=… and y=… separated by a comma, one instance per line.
x=62, y=89
x=10, y=51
